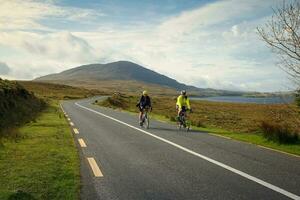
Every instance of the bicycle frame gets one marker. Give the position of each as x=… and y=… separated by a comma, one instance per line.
x=145, y=117
x=183, y=120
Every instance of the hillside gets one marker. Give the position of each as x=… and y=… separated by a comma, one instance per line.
x=129, y=76
x=58, y=91
x=17, y=105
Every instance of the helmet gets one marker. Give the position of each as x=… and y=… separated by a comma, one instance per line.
x=145, y=92
x=183, y=92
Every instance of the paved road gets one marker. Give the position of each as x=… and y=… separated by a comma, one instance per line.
x=121, y=161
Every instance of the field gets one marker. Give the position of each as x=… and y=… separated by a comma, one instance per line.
x=113, y=86
x=58, y=91
x=38, y=157
x=41, y=161
x=236, y=120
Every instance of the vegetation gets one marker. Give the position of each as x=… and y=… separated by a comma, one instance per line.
x=41, y=162
x=38, y=157
x=282, y=133
x=58, y=91
x=282, y=34
x=17, y=105
x=298, y=97
x=241, y=121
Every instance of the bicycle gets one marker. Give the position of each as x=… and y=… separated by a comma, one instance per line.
x=145, y=118
x=183, y=122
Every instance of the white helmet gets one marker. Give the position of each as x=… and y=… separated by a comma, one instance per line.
x=183, y=92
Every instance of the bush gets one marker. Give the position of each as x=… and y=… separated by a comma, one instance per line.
x=298, y=98
x=281, y=133
x=17, y=106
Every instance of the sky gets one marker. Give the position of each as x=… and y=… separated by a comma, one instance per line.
x=205, y=43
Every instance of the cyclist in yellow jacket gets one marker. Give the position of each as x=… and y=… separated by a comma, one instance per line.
x=183, y=103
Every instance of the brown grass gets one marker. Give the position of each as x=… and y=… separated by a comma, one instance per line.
x=58, y=91
x=237, y=117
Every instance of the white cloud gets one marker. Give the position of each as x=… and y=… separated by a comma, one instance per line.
x=4, y=68
x=27, y=14
x=212, y=46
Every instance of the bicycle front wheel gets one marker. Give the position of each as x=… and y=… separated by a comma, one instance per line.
x=147, y=121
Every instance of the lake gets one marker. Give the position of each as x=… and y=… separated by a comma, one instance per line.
x=241, y=99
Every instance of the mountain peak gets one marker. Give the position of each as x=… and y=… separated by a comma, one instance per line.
x=123, y=71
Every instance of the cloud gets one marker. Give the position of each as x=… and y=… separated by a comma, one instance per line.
x=60, y=46
x=28, y=14
x=215, y=45
x=4, y=69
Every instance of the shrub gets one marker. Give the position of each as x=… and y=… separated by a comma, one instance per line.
x=298, y=97
x=17, y=106
x=281, y=133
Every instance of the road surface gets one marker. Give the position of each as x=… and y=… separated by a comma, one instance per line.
x=120, y=160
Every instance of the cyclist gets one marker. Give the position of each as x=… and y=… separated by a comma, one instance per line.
x=182, y=104
x=144, y=103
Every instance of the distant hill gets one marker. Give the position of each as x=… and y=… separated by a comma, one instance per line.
x=127, y=75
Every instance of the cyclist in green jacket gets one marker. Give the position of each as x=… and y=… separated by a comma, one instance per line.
x=183, y=103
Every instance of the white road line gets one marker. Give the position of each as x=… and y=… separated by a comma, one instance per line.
x=81, y=142
x=75, y=130
x=71, y=123
x=69, y=119
x=236, y=171
x=96, y=170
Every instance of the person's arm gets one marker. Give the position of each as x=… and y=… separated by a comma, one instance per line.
x=150, y=102
x=179, y=102
x=188, y=103
x=139, y=103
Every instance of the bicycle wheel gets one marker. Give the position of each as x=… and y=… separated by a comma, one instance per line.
x=147, y=121
x=188, y=125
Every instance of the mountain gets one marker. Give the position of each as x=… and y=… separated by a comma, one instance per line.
x=123, y=74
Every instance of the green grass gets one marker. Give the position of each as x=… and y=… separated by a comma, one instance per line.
x=42, y=161
x=242, y=120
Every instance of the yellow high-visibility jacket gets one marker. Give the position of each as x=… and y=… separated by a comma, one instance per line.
x=183, y=101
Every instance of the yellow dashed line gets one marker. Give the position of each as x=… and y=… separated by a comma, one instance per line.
x=96, y=170
x=75, y=130
x=81, y=142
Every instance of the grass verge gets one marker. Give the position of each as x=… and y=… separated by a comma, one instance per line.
x=163, y=111
x=42, y=161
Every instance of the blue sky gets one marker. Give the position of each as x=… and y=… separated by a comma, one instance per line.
x=204, y=43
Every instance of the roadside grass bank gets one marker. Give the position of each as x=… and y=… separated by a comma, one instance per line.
x=237, y=121
x=17, y=106
x=41, y=162
x=38, y=156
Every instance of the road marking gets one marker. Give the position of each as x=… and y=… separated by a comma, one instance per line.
x=279, y=151
x=96, y=170
x=75, y=130
x=69, y=119
x=222, y=136
x=71, y=123
x=81, y=142
x=227, y=167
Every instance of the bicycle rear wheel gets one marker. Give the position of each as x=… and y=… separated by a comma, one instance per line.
x=147, y=121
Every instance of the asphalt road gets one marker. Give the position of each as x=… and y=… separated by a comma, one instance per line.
x=165, y=163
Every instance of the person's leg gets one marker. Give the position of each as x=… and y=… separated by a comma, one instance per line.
x=141, y=116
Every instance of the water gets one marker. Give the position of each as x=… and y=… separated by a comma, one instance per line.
x=240, y=99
